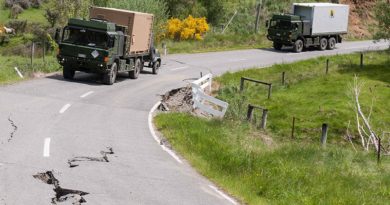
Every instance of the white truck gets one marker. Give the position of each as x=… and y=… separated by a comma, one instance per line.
x=309, y=24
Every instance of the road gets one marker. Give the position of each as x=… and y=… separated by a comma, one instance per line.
x=46, y=122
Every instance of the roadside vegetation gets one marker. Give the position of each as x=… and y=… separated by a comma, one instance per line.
x=268, y=166
x=230, y=24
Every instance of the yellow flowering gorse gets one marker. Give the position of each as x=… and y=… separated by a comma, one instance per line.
x=189, y=28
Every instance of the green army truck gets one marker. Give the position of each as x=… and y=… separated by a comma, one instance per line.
x=309, y=25
x=111, y=41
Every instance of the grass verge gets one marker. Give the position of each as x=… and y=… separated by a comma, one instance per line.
x=217, y=42
x=270, y=168
x=9, y=75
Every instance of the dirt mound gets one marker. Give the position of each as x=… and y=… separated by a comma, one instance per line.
x=361, y=17
x=178, y=100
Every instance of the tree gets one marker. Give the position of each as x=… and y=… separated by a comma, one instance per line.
x=382, y=14
x=52, y=16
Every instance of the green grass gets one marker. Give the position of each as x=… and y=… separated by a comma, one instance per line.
x=32, y=15
x=233, y=153
x=9, y=75
x=217, y=42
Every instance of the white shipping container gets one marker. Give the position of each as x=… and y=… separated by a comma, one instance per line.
x=325, y=18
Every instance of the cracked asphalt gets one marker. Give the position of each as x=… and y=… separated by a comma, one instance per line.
x=51, y=121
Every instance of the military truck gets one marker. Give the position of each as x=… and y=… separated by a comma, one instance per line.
x=111, y=41
x=309, y=24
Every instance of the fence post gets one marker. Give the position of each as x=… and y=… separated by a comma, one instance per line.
x=164, y=45
x=32, y=54
x=327, y=66
x=242, y=84
x=361, y=60
x=258, y=17
x=201, y=74
x=264, y=119
x=324, y=134
x=269, y=91
x=283, y=78
x=293, y=128
x=379, y=151
x=250, y=113
x=44, y=51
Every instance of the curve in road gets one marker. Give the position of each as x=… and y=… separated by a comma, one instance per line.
x=68, y=128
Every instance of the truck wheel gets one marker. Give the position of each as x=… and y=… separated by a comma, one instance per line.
x=323, y=44
x=298, y=46
x=110, y=77
x=68, y=73
x=137, y=69
x=278, y=46
x=156, y=67
x=331, y=43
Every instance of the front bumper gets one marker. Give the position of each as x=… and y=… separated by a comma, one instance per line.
x=82, y=64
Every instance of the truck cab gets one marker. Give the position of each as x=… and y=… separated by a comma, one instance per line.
x=284, y=29
x=88, y=46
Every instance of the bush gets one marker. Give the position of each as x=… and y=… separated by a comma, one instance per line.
x=189, y=28
x=15, y=11
x=19, y=25
x=25, y=4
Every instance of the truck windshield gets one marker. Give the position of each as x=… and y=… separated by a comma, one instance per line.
x=85, y=37
x=279, y=24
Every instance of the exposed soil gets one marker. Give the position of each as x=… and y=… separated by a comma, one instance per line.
x=361, y=17
x=178, y=100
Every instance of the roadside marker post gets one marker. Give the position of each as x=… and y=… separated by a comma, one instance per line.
x=19, y=73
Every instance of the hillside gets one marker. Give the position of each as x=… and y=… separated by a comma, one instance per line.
x=361, y=16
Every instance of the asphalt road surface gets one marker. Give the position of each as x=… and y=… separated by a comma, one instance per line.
x=47, y=122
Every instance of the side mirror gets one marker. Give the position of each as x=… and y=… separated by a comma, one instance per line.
x=57, y=36
x=111, y=41
x=267, y=23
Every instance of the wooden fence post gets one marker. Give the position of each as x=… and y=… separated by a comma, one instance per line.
x=324, y=134
x=250, y=112
x=379, y=151
x=361, y=60
x=283, y=78
x=32, y=54
x=242, y=84
x=293, y=128
x=264, y=119
x=44, y=51
x=327, y=66
x=269, y=91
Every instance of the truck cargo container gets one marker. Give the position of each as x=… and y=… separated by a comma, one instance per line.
x=111, y=41
x=309, y=24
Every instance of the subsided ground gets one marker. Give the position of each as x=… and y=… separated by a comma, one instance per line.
x=268, y=167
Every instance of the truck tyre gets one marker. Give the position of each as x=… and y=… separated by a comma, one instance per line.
x=323, y=44
x=278, y=46
x=137, y=69
x=110, y=77
x=156, y=67
x=68, y=73
x=331, y=43
x=298, y=46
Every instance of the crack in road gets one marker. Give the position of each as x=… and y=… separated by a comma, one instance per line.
x=62, y=195
x=104, y=158
x=12, y=134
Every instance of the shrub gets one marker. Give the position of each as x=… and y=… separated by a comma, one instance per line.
x=15, y=11
x=19, y=25
x=25, y=4
x=189, y=28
